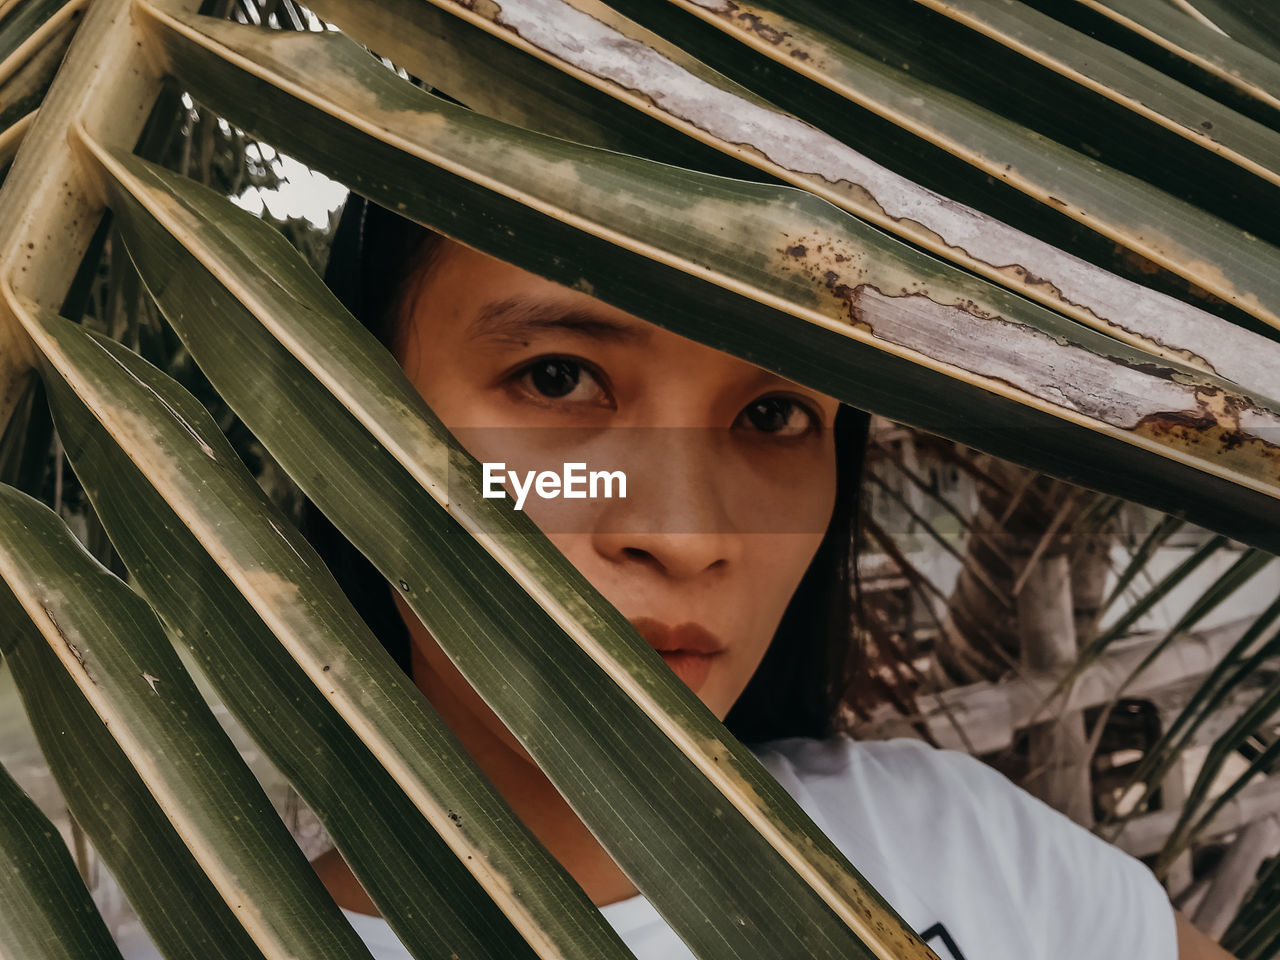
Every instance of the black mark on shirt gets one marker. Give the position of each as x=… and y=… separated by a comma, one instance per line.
x=940, y=933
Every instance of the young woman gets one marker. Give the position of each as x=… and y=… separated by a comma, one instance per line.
x=730, y=554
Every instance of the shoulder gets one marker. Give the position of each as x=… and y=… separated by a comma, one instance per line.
x=896, y=771
x=907, y=784
x=902, y=757
x=973, y=841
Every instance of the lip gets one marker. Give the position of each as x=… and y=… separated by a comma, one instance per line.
x=687, y=648
x=684, y=637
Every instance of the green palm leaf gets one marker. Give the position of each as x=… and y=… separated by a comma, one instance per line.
x=896, y=223
x=111, y=643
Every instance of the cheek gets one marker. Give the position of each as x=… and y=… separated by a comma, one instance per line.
x=774, y=566
x=772, y=491
x=775, y=560
x=449, y=395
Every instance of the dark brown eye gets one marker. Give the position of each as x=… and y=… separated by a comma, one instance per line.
x=555, y=376
x=779, y=416
x=566, y=379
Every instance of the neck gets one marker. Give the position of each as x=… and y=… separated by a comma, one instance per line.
x=515, y=776
x=525, y=787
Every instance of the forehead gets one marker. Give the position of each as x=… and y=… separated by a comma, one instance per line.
x=468, y=296
x=467, y=303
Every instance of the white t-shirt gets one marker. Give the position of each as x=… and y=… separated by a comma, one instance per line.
x=978, y=867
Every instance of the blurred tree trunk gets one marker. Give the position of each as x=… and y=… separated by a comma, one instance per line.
x=1022, y=517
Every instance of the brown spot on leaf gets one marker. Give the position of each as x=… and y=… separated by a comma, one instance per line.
x=1177, y=423
x=762, y=29
x=1147, y=367
x=842, y=291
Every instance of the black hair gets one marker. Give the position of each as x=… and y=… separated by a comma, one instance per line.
x=815, y=660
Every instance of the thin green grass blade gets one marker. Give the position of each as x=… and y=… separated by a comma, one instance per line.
x=1249, y=565
x=1195, y=815
x=1255, y=933
x=1133, y=613
x=1234, y=668
x=1160, y=533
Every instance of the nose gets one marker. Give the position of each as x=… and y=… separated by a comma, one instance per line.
x=676, y=555
x=674, y=518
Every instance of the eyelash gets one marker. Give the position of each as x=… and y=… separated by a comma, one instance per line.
x=525, y=370
x=520, y=375
x=813, y=427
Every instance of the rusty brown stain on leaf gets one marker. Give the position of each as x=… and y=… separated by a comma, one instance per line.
x=1150, y=368
x=756, y=23
x=488, y=9
x=1179, y=410
x=1202, y=434
x=1203, y=276
x=762, y=29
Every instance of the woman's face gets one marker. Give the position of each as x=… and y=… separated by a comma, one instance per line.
x=730, y=469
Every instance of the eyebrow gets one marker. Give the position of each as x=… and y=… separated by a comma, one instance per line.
x=516, y=317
